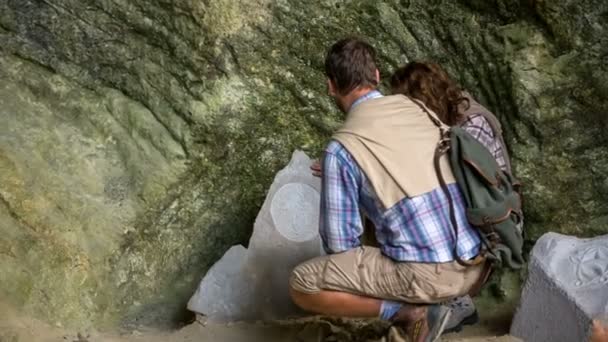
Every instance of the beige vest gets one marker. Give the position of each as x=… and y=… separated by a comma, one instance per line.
x=393, y=142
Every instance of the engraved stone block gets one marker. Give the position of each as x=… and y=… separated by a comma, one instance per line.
x=567, y=287
x=253, y=283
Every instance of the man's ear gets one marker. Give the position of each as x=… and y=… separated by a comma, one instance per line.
x=377, y=76
x=331, y=88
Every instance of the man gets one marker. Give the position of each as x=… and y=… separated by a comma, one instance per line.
x=380, y=162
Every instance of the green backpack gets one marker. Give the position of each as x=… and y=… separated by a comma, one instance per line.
x=493, y=202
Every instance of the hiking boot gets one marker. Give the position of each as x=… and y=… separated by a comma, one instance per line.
x=463, y=313
x=425, y=324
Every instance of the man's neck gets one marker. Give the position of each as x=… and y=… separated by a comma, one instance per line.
x=355, y=95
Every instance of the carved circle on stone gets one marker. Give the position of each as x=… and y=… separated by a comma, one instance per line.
x=591, y=264
x=295, y=211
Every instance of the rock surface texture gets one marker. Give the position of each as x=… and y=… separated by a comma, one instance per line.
x=566, y=289
x=253, y=284
x=138, y=138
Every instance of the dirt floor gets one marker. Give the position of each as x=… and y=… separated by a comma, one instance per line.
x=315, y=329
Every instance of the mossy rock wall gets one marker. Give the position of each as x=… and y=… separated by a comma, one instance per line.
x=138, y=137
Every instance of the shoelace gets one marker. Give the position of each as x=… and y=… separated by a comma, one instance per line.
x=456, y=304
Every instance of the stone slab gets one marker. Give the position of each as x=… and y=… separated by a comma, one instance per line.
x=225, y=280
x=566, y=288
x=252, y=284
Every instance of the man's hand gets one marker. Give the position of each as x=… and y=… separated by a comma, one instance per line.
x=599, y=332
x=316, y=168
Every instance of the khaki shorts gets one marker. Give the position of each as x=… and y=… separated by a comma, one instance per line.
x=366, y=271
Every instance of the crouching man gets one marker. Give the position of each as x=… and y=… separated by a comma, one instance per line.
x=381, y=162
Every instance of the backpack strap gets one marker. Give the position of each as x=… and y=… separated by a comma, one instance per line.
x=442, y=147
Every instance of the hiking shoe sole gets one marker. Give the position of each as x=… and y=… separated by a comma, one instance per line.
x=469, y=320
x=440, y=317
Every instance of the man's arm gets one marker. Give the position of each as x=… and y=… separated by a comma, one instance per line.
x=340, y=223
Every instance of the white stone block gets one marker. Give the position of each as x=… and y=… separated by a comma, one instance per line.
x=566, y=288
x=253, y=283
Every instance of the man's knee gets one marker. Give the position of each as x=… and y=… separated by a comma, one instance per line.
x=299, y=298
x=303, y=285
x=302, y=282
x=305, y=278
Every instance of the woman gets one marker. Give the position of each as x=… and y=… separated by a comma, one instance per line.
x=429, y=83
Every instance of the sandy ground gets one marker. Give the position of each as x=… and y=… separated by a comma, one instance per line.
x=300, y=332
x=314, y=329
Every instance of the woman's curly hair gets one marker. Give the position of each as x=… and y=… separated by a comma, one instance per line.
x=429, y=83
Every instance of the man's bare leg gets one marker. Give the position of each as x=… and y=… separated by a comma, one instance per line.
x=333, y=303
x=413, y=318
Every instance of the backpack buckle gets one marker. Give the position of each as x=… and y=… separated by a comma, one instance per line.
x=443, y=145
x=493, y=237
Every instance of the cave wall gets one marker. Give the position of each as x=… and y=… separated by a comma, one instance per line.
x=138, y=137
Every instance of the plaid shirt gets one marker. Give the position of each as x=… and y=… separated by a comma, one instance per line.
x=477, y=126
x=415, y=229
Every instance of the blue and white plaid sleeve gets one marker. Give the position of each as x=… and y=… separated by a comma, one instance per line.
x=340, y=223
